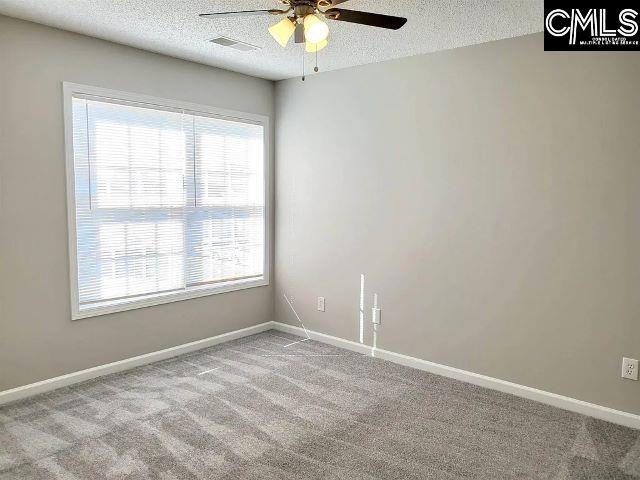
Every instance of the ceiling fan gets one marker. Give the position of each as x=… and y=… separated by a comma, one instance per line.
x=303, y=21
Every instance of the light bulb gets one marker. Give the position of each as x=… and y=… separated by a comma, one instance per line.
x=283, y=31
x=315, y=30
x=316, y=47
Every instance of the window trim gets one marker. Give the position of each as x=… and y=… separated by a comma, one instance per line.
x=110, y=306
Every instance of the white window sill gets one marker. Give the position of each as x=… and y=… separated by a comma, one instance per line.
x=104, y=308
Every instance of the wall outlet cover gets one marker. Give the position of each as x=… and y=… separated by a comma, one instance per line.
x=321, y=304
x=630, y=368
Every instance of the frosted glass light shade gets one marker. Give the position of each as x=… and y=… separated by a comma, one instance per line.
x=283, y=31
x=316, y=47
x=315, y=30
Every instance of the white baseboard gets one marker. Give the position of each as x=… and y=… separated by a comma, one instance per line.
x=560, y=401
x=25, y=391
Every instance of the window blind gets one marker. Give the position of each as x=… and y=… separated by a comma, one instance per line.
x=166, y=200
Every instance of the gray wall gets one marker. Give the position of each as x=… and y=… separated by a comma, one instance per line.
x=491, y=197
x=38, y=340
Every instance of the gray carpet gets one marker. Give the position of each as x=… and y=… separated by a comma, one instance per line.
x=270, y=409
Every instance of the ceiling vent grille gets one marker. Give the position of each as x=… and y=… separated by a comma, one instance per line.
x=235, y=44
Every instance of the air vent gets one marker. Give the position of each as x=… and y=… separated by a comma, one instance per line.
x=235, y=44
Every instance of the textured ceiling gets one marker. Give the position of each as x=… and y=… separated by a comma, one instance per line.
x=172, y=27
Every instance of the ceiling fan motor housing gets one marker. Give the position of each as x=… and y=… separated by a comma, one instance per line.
x=302, y=8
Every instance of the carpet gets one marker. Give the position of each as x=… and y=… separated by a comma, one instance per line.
x=272, y=406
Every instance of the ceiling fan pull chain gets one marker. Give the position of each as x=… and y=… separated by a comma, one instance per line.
x=316, y=67
x=303, y=75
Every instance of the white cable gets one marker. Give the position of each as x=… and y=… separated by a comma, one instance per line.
x=297, y=316
x=361, y=316
x=375, y=341
x=375, y=325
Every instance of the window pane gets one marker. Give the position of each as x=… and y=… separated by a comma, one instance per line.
x=133, y=257
x=130, y=196
x=225, y=243
x=138, y=156
x=226, y=226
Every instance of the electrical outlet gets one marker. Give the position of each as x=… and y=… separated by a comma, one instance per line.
x=321, y=304
x=630, y=368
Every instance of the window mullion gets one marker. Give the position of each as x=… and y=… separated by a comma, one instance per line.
x=195, y=180
x=185, y=215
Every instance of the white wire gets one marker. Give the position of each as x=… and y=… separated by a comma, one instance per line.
x=297, y=316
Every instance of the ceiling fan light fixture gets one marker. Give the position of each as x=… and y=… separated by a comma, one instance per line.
x=315, y=30
x=283, y=31
x=315, y=47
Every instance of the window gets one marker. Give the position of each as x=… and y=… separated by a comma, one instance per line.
x=167, y=201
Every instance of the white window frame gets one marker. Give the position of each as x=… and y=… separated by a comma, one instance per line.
x=107, y=307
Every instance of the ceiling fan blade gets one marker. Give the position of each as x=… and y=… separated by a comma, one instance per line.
x=243, y=13
x=366, y=18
